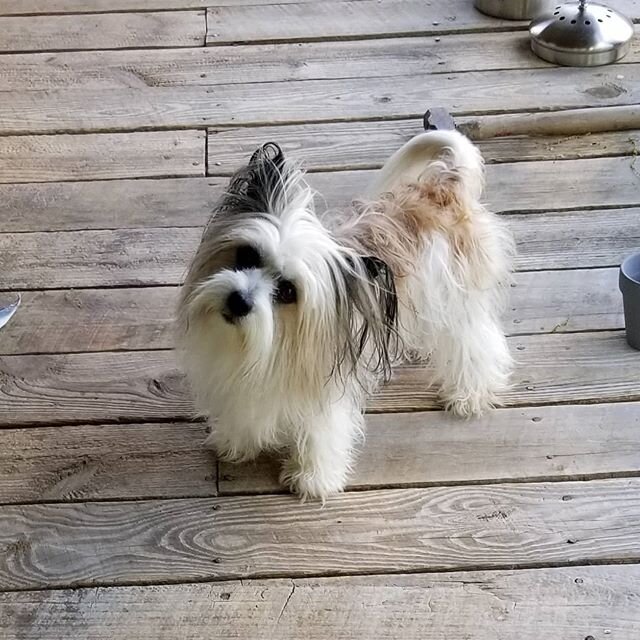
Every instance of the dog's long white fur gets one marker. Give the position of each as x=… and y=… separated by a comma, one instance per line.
x=271, y=381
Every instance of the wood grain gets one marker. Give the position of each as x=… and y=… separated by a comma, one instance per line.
x=511, y=187
x=59, y=321
x=524, y=186
x=590, y=186
x=112, y=204
x=9, y=7
x=496, y=605
x=110, y=424
x=87, y=110
x=102, y=31
x=19, y=7
x=497, y=526
x=550, y=369
x=134, y=257
x=142, y=68
x=147, y=386
x=88, y=462
x=94, y=462
x=96, y=387
x=364, y=18
x=95, y=258
x=367, y=145
x=576, y=238
x=563, y=301
x=541, y=443
x=102, y=156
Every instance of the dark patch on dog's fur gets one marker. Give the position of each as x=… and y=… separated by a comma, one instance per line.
x=254, y=187
x=368, y=317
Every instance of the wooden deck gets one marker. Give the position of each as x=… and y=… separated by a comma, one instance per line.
x=120, y=121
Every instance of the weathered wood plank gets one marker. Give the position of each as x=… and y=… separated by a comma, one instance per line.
x=92, y=387
x=147, y=386
x=367, y=145
x=95, y=258
x=564, y=301
x=585, y=183
x=538, y=443
x=525, y=186
x=373, y=531
x=133, y=257
x=28, y=7
x=271, y=63
x=575, y=239
x=551, y=368
x=60, y=321
x=86, y=462
x=93, y=462
x=348, y=19
x=102, y=31
x=101, y=156
x=160, y=256
x=78, y=109
x=496, y=605
x=511, y=187
x=112, y=204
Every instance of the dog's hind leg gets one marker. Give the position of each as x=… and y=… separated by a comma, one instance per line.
x=471, y=360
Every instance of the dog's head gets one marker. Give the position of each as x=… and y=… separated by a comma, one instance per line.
x=272, y=291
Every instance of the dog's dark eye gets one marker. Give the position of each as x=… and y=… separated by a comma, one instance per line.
x=247, y=258
x=286, y=292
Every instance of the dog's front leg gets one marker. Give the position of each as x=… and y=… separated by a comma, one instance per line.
x=322, y=452
x=239, y=436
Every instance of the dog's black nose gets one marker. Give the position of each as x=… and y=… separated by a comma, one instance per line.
x=238, y=305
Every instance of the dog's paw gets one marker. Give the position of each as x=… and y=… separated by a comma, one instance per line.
x=474, y=404
x=230, y=451
x=318, y=484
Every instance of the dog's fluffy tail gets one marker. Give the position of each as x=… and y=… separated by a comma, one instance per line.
x=428, y=155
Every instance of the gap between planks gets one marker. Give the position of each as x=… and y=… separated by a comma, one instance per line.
x=81, y=7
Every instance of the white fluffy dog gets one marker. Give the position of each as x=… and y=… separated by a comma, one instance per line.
x=288, y=319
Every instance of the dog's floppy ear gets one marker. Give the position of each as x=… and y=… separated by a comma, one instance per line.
x=257, y=186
